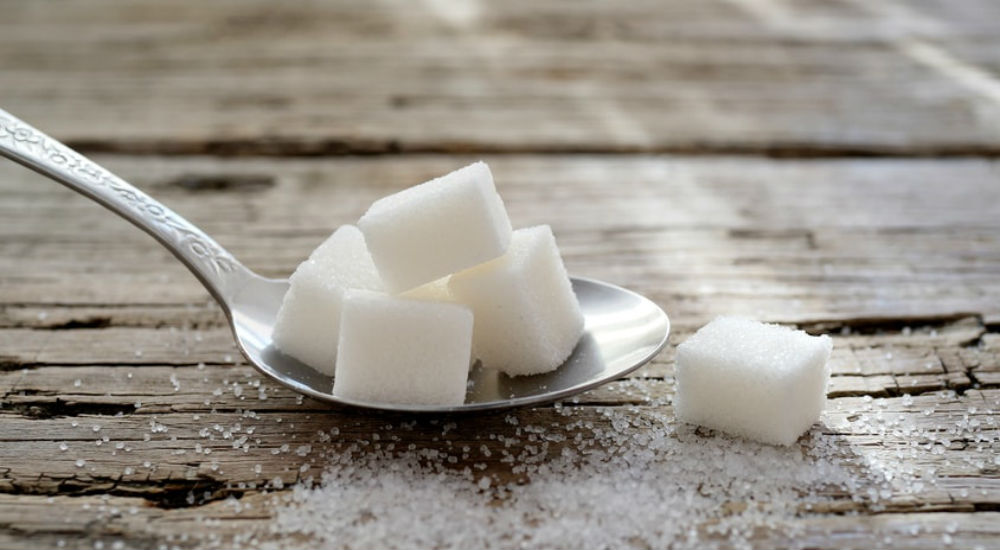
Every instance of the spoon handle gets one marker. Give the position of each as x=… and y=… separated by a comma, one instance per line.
x=216, y=268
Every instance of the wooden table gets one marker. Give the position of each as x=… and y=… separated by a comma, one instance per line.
x=828, y=165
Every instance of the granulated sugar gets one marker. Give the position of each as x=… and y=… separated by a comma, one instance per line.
x=639, y=500
x=576, y=474
x=631, y=479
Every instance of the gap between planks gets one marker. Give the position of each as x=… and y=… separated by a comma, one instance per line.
x=348, y=147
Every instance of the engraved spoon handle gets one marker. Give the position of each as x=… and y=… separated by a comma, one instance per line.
x=216, y=268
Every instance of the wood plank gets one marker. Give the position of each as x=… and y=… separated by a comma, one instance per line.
x=693, y=234
x=812, y=78
x=204, y=374
x=128, y=420
x=895, y=259
x=895, y=359
x=140, y=526
x=162, y=459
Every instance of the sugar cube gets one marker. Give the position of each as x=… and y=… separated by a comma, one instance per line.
x=760, y=381
x=396, y=350
x=309, y=318
x=435, y=291
x=436, y=228
x=527, y=317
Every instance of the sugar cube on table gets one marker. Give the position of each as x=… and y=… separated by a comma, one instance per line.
x=436, y=228
x=396, y=350
x=760, y=381
x=528, y=319
x=309, y=318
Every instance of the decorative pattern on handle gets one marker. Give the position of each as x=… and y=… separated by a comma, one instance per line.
x=36, y=144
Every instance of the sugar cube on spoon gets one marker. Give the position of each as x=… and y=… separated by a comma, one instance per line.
x=436, y=228
x=397, y=350
x=527, y=318
x=308, y=321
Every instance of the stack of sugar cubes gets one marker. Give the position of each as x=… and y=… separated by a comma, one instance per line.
x=432, y=278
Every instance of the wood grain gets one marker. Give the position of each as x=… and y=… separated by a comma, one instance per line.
x=710, y=155
x=913, y=241
x=231, y=77
x=100, y=328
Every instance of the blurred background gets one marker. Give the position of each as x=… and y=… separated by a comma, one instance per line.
x=773, y=77
x=720, y=155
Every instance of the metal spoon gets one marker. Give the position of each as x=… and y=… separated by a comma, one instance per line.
x=623, y=329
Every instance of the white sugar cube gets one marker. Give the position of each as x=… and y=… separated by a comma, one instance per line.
x=436, y=228
x=401, y=351
x=756, y=380
x=527, y=317
x=309, y=318
x=435, y=291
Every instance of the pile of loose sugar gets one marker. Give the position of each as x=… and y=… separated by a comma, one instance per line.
x=614, y=478
x=636, y=484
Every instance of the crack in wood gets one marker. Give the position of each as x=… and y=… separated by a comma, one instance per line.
x=7, y=364
x=165, y=494
x=60, y=408
x=899, y=392
x=863, y=326
x=85, y=322
x=231, y=183
x=354, y=146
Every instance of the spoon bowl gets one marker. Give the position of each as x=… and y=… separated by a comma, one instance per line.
x=623, y=330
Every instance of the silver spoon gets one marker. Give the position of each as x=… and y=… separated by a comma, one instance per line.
x=623, y=329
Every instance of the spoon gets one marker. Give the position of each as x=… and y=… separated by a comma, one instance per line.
x=623, y=330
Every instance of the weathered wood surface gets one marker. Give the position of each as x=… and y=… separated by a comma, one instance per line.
x=645, y=133
x=306, y=78
x=898, y=260
x=898, y=239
